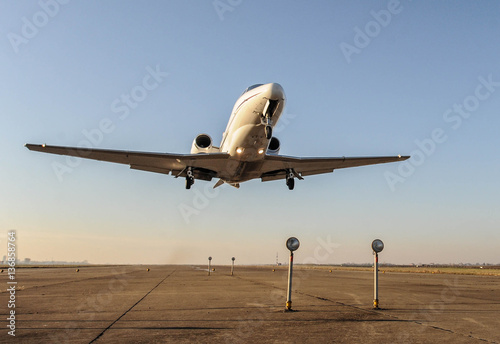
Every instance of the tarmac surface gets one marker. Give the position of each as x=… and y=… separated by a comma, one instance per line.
x=182, y=304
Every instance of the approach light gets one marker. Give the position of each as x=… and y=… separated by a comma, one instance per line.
x=209, y=265
x=292, y=243
x=377, y=245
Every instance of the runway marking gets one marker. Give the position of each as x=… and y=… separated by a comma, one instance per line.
x=128, y=310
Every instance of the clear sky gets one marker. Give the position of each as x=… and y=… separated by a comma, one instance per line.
x=361, y=78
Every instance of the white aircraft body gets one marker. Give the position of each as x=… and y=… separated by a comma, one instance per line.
x=247, y=151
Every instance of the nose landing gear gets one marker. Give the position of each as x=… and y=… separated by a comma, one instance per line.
x=269, y=132
x=267, y=115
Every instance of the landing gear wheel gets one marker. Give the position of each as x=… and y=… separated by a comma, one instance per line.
x=290, y=182
x=189, y=182
x=189, y=178
x=269, y=132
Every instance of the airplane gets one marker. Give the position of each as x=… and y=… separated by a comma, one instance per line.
x=248, y=149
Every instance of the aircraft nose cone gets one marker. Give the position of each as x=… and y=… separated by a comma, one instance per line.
x=276, y=91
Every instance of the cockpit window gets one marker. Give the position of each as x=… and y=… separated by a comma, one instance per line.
x=251, y=88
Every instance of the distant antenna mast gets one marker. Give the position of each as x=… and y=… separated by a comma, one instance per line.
x=277, y=263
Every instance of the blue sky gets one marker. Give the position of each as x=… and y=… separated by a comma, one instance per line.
x=64, y=64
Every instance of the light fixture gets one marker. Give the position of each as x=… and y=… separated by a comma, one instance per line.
x=239, y=150
x=292, y=243
x=261, y=151
x=377, y=245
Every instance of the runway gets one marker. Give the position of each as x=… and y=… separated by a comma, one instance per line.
x=182, y=304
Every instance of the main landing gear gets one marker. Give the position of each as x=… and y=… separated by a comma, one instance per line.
x=189, y=178
x=290, y=181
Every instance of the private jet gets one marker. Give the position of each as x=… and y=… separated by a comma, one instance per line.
x=248, y=149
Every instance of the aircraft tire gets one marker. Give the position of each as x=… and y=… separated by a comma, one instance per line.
x=189, y=182
x=269, y=132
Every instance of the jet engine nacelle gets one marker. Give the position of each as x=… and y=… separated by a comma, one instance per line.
x=203, y=144
x=274, y=146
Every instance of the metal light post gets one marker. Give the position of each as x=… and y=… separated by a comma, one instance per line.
x=377, y=246
x=209, y=265
x=292, y=244
x=232, y=265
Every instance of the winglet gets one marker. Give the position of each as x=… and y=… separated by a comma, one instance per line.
x=31, y=146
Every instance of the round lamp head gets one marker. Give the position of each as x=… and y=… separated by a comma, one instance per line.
x=377, y=245
x=292, y=243
x=209, y=258
x=233, y=259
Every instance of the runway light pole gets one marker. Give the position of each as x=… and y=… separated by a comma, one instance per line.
x=377, y=246
x=292, y=244
x=232, y=265
x=209, y=265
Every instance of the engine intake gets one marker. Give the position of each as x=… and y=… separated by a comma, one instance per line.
x=203, y=144
x=274, y=146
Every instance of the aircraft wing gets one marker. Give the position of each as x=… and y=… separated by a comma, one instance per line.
x=205, y=166
x=276, y=166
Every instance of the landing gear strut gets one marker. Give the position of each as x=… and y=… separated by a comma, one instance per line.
x=290, y=181
x=267, y=115
x=269, y=132
x=189, y=178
